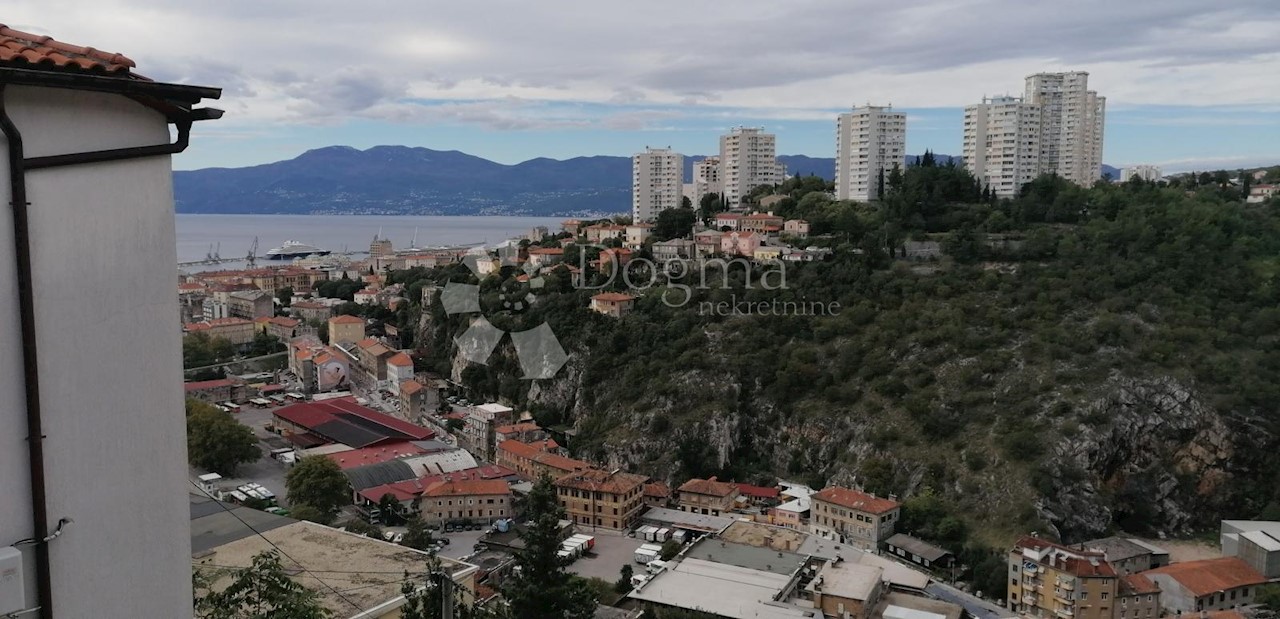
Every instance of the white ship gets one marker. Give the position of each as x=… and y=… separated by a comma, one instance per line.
x=295, y=249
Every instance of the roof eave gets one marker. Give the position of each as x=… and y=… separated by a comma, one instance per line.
x=176, y=101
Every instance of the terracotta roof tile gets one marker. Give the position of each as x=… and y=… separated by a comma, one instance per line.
x=709, y=487
x=1210, y=575
x=597, y=480
x=411, y=387
x=345, y=319
x=613, y=297
x=400, y=359
x=1137, y=583
x=32, y=51
x=854, y=499
x=469, y=487
x=657, y=489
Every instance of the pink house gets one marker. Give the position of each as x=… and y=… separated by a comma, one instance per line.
x=740, y=243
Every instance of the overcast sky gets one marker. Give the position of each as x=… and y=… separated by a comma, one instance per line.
x=1189, y=83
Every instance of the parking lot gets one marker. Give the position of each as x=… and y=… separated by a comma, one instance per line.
x=612, y=551
x=266, y=471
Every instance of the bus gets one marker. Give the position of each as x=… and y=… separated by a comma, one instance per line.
x=231, y=407
x=294, y=397
x=278, y=400
x=260, y=402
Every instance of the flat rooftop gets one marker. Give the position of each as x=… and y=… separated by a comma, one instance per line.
x=720, y=589
x=763, y=535
x=213, y=523
x=903, y=606
x=367, y=571
x=744, y=556
x=686, y=520
x=852, y=581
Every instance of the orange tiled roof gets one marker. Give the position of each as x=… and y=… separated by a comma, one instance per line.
x=469, y=487
x=546, y=251
x=657, y=489
x=1137, y=583
x=517, y=427
x=25, y=50
x=1078, y=562
x=545, y=458
x=855, y=499
x=345, y=319
x=1211, y=575
x=613, y=297
x=411, y=387
x=709, y=487
x=597, y=480
x=400, y=359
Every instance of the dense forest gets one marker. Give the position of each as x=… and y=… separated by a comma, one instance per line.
x=1076, y=361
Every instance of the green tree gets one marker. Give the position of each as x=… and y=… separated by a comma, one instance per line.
x=542, y=589
x=389, y=506
x=1269, y=597
x=285, y=296
x=670, y=549
x=624, y=579
x=302, y=511
x=417, y=535
x=260, y=591
x=264, y=344
x=360, y=527
x=674, y=223
x=216, y=441
x=318, y=481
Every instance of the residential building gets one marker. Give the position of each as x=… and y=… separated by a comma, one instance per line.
x=417, y=399
x=345, y=330
x=545, y=256
x=1262, y=193
x=1071, y=125
x=603, y=499
x=370, y=357
x=637, y=234
x=313, y=310
x=728, y=221
x=280, y=327
x=617, y=256
x=1051, y=580
x=763, y=223
x=399, y=370
x=657, y=176
x=1128, y=555
x=616, y=304
x=477, y=500
x=657, y=494
x=1149, y=173
x=1002, y=143
x=89, y=322
x=706, y=179
x=798, y=228
x=853, y=517
x=707, y=496
x=238, y=331
x=748, y=159
x=571, y=226
x=675, y=249
x=532, y=462
x=772, y=200
x=250, y=304
x=599, y=233
x=217, y=391
x=740, y=243
x=477, y=435
x=870, y=142
x=707, y=242
x=1206, y=585
x=793, y=514
x=765, y=253
x=1137, y=598
x=525, y=432
x=536, y=234
x=366, y=296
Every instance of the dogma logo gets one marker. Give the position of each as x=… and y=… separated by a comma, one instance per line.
x=538, y=350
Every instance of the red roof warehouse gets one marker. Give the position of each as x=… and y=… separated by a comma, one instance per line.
x=344, y=421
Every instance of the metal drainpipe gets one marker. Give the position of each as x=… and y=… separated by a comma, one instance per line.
x=18, y=166
x=30, y=364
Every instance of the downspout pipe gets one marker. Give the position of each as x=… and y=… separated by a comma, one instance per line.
x=19, y=164
x=30, y=359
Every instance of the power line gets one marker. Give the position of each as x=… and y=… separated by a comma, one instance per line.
x=360, y=611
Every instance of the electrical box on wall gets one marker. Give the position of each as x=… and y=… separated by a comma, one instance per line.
x=12, y=590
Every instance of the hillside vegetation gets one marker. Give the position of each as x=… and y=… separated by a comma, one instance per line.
x=1079, y=360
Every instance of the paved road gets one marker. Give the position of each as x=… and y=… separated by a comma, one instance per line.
x=610, y=554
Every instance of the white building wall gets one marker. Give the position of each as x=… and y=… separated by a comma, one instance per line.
x=1144, y=172
x=1071, y=129
x=869, y=141
x=748, y=159
x=110, y=377
x=657, y=182
x=1001, y=143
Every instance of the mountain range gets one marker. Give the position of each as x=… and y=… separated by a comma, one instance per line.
x=402, y=180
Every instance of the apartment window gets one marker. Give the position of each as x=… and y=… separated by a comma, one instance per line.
x=1084, y=595
x=1104, y=595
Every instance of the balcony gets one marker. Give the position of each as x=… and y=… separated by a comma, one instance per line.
x=1065, y=613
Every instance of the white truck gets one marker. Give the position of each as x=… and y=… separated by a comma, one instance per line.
x=647, y=553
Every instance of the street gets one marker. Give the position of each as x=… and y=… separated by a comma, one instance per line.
x=611, y=552
x=266, y=471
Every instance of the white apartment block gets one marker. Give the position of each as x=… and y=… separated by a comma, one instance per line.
x=1002, y=143
x=706, y=178
x=657, y=182
x=748, y=159
x=1149, y=173
x=1071, y=125
x=869, y=142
